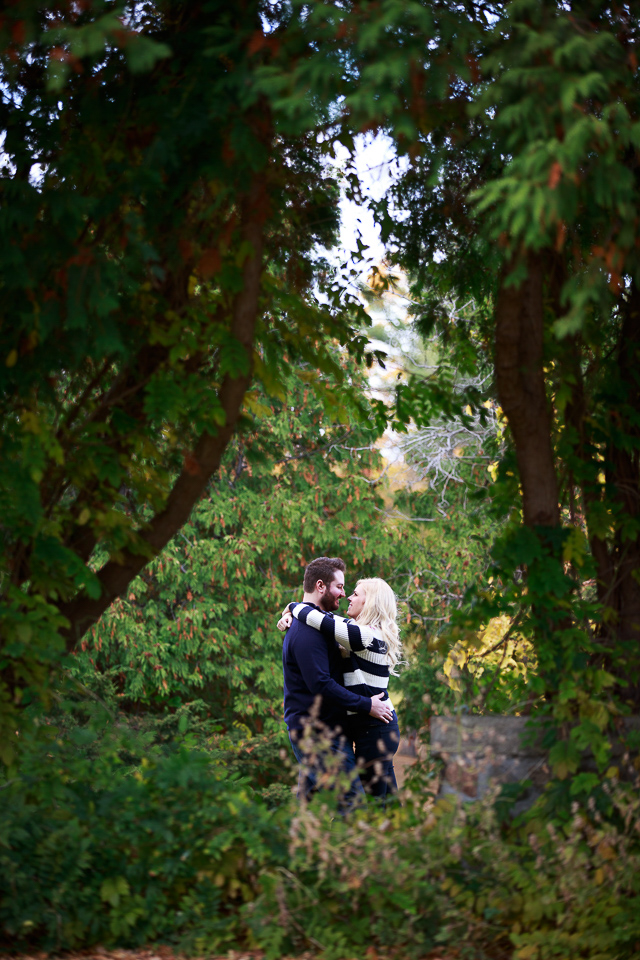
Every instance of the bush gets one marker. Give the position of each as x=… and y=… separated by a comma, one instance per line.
x=106, y=837
x=122, y=848
x=434, y=874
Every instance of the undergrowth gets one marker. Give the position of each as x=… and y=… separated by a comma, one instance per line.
x=107, y=837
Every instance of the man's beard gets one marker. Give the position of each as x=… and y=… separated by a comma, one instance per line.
x=325, y=601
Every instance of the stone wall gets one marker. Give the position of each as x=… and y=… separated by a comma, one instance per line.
x=480, y=752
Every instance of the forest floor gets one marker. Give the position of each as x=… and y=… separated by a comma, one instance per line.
x=166, y=953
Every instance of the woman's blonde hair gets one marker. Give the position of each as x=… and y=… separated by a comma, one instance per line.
x=380, y=612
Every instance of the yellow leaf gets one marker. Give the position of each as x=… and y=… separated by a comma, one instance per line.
x=575, y=547
x=606, y=851
x=84, y=516
x=31, y=422
x=12, y=358
x=527, y=953
x=599, y=876
x=256, y=405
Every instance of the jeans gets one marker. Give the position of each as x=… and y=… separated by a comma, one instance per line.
x=312, y=766
x=376, y=743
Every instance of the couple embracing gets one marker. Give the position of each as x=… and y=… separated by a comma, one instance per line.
x=336, y=674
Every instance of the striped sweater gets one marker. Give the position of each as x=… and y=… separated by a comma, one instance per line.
x=366, y=669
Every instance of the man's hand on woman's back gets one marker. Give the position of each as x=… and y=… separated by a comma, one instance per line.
x=380, y=709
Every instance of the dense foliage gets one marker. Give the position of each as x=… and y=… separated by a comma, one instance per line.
x=178, y=217
x=195, y=635
x=520, y=199
x=185, y=421
x=109, y=840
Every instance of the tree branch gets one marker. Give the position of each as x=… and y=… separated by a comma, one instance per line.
x=115, y=576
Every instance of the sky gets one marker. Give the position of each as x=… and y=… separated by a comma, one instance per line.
x=377, y=166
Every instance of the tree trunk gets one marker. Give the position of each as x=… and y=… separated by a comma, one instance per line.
x=521, y=389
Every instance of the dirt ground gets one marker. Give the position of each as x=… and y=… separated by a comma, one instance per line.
x=166, y=953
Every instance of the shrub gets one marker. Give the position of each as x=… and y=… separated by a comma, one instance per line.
x=106, y=837
x=434, y=874
x=123, y=848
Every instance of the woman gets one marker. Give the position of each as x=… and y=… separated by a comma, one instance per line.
x=371, y=648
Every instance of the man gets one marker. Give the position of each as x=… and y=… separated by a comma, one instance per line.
x=312, y=665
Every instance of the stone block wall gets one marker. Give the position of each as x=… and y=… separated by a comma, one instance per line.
x=479, y=752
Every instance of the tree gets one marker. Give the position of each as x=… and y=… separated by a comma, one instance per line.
x=520, y=122
x=159, y=220
x=198, y=625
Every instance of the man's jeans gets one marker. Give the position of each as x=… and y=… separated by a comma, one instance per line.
x=312, y=766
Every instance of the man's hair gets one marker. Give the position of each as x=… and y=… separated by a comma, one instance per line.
x=322, y=568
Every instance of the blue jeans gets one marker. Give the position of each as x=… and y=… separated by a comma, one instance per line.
x=312, y=766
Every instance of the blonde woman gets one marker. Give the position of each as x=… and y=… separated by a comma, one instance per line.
x=370, y=643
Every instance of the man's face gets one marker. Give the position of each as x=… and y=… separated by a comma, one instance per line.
x=333, y=593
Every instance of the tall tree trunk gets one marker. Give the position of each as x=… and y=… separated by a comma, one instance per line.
x=621, y=590
x=521, y=391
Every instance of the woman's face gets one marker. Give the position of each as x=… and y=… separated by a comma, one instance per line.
x=356, y=602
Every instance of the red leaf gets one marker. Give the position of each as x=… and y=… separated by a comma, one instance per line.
x=257, y=42
x=186, y=248
x=18, y=32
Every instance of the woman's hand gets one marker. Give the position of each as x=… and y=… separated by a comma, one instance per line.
x=285, y=620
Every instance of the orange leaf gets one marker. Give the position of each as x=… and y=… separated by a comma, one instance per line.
x=554, y=175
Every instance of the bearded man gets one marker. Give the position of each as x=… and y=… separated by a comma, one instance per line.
x=315, y=699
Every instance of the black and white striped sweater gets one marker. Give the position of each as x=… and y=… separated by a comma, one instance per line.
x=366, y=669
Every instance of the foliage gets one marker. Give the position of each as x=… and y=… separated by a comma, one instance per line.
x=172, y=161
x=519, y=123
x=196, y=633
x=106, y=839
x=432, y=875
x=178, y=215
x=441, y=498
x=200, y=622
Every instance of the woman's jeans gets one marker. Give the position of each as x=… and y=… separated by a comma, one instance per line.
x=375, y=743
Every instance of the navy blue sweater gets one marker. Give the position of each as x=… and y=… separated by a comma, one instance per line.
x=312, y=667
x=366, y=669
